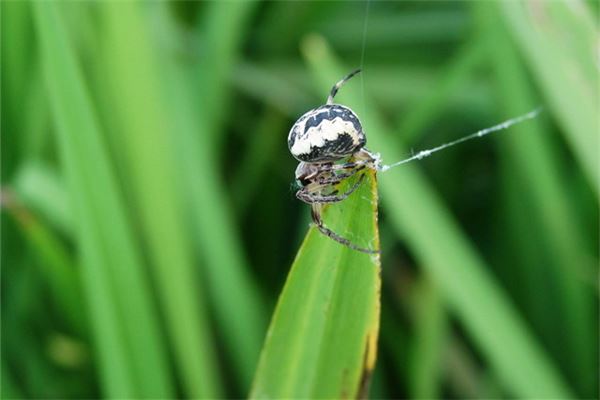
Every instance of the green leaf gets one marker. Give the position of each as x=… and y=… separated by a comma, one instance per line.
x=570, y=262
x=472, y=294
x=143, y=119
x=239, y=310
x=431, y=338
x=115, y=286
x=55, y=263
x=558, y=40
x=221, y=30
x=322, y=341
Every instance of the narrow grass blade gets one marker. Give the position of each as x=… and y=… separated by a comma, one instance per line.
x=221, y=30
x=559, y=41
x=131, y=365
x=322, y=341
x=16, y=59
x=239, y=310
x=442, y=249
x=234, y=296
x=143, y=120
x=262, y=149
x=15, y=67
x=9, y=389
x=57, y=267
x=22, y=87
x=571, y=264
x=429, y=342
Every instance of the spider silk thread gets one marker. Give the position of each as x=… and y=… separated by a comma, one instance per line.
x=362, y=57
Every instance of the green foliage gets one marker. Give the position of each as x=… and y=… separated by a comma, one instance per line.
x=132, y=364
x=149, y=227
x=476, y=298
x=568, y=73
x=322, y=341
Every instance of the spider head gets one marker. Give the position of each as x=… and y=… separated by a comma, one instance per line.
x=326, y=134
x=306, y=172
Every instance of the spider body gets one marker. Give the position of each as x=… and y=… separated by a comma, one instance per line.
x=325, y=134
x=330, y=143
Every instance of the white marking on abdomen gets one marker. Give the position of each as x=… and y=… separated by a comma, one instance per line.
x=329, y=130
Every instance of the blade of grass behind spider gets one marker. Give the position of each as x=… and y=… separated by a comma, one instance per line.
x=56, y=265
x=222, y=31
x=239, y=311
x=260, y=155
x=322, y=341
x=16, y=61
x=16, y=64
x=143, y=119
x=559, y=42
x=430, y=316
x=570, y=265
x=10, y=388
x=238, y=308
x=442, y=249
x=130, y=364
x=429, y=342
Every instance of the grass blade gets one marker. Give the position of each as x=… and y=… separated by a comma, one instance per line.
x=137, y=94
x=258, y=158
x=570, y=263
x=131, y=365
x=322, y=340
x=56, y=265
x=222, y=30
x=558, y=40
x=15, y=70
x=234, y=296
x=431, y=337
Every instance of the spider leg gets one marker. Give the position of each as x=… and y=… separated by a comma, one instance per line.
x=316, y=217
x=306, y=196
x=360, y=164
x=361, y=159
x=337, y=178
x=338, y=85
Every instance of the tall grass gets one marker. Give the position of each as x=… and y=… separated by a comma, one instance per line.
x=149, y=226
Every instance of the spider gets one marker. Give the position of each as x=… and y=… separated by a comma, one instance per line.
x=330, y=143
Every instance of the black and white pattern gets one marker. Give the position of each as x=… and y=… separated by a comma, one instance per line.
x=328, y=133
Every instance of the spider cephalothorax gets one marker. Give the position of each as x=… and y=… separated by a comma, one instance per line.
x=329, y=143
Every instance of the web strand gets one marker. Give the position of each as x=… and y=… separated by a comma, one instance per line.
x=501, y=126
x=362, y=54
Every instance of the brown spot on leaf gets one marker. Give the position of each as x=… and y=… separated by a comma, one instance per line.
x=367, y=370
x=344, y=394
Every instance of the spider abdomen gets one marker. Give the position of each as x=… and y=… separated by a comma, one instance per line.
x=328, y=133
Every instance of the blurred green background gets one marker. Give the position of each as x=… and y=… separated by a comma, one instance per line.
x=148, y=221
